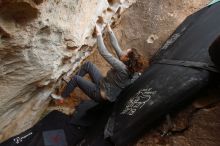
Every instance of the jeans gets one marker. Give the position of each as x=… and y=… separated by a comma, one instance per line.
x=92, y=89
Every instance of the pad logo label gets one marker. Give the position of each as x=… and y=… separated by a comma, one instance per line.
x=138, y=101
x=18, y=139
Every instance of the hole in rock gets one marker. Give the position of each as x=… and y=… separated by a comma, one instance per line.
x=112, y=2
x=118, y=11
x=66, y=60
x=109, y=10
x=38, y=1
x=100, y=20
x=19, y=11
x=44, y=30
x=94, y=33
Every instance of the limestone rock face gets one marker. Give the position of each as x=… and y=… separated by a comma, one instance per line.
x=39, y=42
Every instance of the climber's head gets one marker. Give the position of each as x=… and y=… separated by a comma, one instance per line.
x=133, y=60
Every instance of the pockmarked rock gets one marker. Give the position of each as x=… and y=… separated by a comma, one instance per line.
x=39, y=42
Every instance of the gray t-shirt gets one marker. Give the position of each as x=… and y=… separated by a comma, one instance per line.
x=118, y=77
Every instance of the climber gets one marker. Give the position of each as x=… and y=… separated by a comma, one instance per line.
x=124, y=71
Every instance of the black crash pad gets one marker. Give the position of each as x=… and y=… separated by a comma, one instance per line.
x=180, y=69
x=58, y=129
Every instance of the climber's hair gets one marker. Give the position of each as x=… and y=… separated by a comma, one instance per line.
x=135, y=62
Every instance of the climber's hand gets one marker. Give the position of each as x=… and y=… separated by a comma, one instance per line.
x=109, y=27
x=57, y=98
x=98, y=30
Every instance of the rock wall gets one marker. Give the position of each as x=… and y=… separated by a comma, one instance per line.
x=41, y=40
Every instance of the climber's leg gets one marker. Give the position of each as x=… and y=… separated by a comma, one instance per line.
x=89, y=88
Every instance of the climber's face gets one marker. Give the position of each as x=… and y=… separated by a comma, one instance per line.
x=124, y=57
